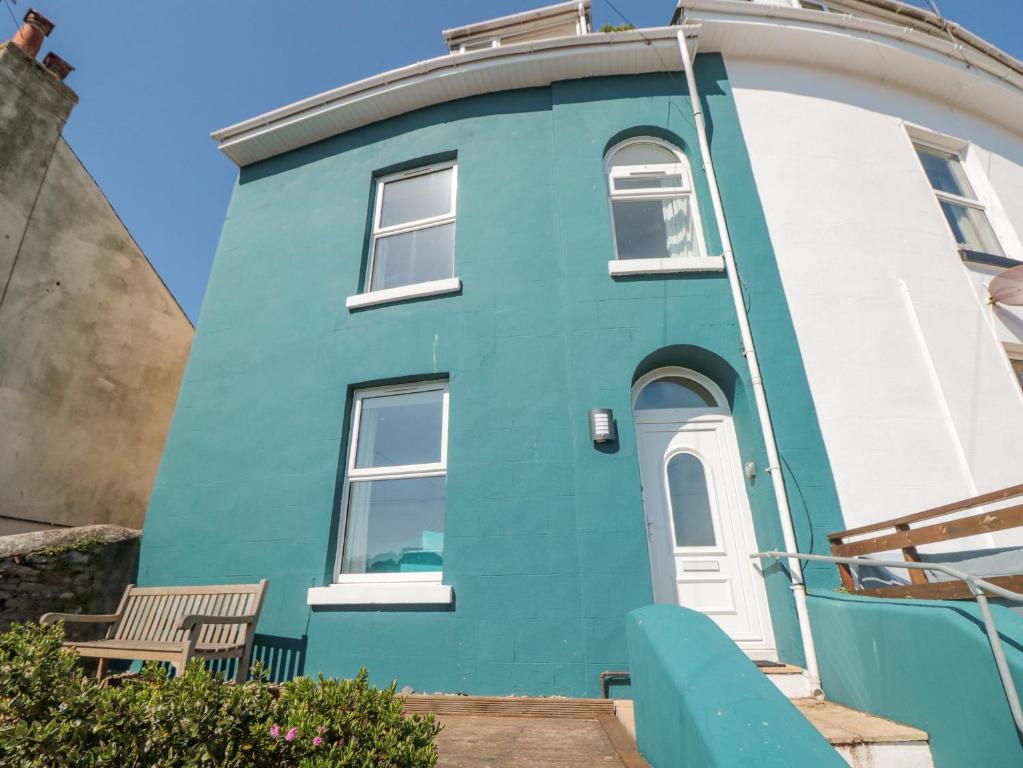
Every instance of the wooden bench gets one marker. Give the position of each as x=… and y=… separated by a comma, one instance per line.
x=175, y=624
x=911, y=531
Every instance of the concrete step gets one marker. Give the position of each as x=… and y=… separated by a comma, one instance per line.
x=867, y=741
x=790, y=680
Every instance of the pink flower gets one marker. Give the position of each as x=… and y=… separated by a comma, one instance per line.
x=291, y=734
x=275, y=731
x=317, y=740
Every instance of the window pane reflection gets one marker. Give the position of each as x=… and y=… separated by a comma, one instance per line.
x=414, y=257
x=398, y=430
x=971, y=228
x=395, y=526
x=674, y=392
x=415, y=198
x=654, y=229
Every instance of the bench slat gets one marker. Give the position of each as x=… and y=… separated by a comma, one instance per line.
x=130, y=617
x=152, y=619
x=248, y=589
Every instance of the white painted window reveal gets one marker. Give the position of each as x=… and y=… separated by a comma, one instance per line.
x=391, y=546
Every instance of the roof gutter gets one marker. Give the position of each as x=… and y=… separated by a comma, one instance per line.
x=537, y=63
x=936, y=34
x=439, y=64
x=938, y=23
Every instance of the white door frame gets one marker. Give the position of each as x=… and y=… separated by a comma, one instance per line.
x=736, y=504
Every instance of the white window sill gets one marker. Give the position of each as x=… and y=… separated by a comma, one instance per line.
x=402, y=292
x=665, y=266
x=382, y=593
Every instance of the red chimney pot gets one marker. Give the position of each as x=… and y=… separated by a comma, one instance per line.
x=57, y=65
x=30, y=37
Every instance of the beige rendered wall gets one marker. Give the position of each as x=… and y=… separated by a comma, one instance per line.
x=92, y=344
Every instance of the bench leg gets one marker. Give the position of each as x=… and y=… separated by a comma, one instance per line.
x=241, y=673
x=101, y=667
x=179, y=665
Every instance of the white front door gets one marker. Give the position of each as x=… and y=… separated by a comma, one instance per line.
x=699, y=524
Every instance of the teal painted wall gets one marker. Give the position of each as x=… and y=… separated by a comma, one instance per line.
x=544, y=543
x=699, y=701
x=880, y=656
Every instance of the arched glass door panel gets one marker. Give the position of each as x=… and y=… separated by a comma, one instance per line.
x=689, y=498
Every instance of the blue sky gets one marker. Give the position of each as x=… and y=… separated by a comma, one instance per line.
x=155, y=78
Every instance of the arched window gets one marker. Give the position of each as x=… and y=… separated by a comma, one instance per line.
x=674, y=392
x=653, y=205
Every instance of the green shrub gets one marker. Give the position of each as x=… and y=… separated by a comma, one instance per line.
x=53, y=716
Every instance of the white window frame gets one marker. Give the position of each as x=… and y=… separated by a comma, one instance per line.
x=983, y=195
x=369, y=296
x=385, y=588
x=697, y=263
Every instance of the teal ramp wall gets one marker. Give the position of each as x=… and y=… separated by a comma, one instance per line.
x=545, y=545
x=927, y=664
x=701, y=703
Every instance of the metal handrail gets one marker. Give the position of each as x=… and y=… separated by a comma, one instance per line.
x=978, y=587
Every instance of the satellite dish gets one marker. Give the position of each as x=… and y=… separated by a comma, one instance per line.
x=1007, y=287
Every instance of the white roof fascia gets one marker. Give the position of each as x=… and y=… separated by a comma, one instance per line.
x=916, y=59
x=1002, y=66
x=901, y=14
x=446, y=78
x=963, y=77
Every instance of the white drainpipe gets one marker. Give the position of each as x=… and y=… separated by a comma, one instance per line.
x=750, y=353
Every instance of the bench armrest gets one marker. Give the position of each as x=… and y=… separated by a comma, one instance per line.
x=190, y=621
x=89, y=618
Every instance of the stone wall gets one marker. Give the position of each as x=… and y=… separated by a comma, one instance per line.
x=68, y=570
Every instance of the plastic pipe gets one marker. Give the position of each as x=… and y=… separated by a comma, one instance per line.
x=750, y=353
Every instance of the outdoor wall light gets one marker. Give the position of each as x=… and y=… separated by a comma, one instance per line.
x=602, y=425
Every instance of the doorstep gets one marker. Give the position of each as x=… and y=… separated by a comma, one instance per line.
x=866, y=740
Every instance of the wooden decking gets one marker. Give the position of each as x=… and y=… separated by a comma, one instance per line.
x=521, y=732
x=511, y=732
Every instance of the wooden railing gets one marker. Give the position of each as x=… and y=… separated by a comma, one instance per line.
x=906, y=534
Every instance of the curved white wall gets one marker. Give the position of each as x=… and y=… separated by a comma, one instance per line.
x=917, y=402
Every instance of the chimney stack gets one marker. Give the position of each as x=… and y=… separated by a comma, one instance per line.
x=30, y=37
x=57, y=65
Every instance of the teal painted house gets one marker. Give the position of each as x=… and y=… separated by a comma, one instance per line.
x=472, y=380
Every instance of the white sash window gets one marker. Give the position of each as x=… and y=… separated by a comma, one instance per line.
x=395, y=478
x=413, y=228
x=653, y=203
x=965, y=214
